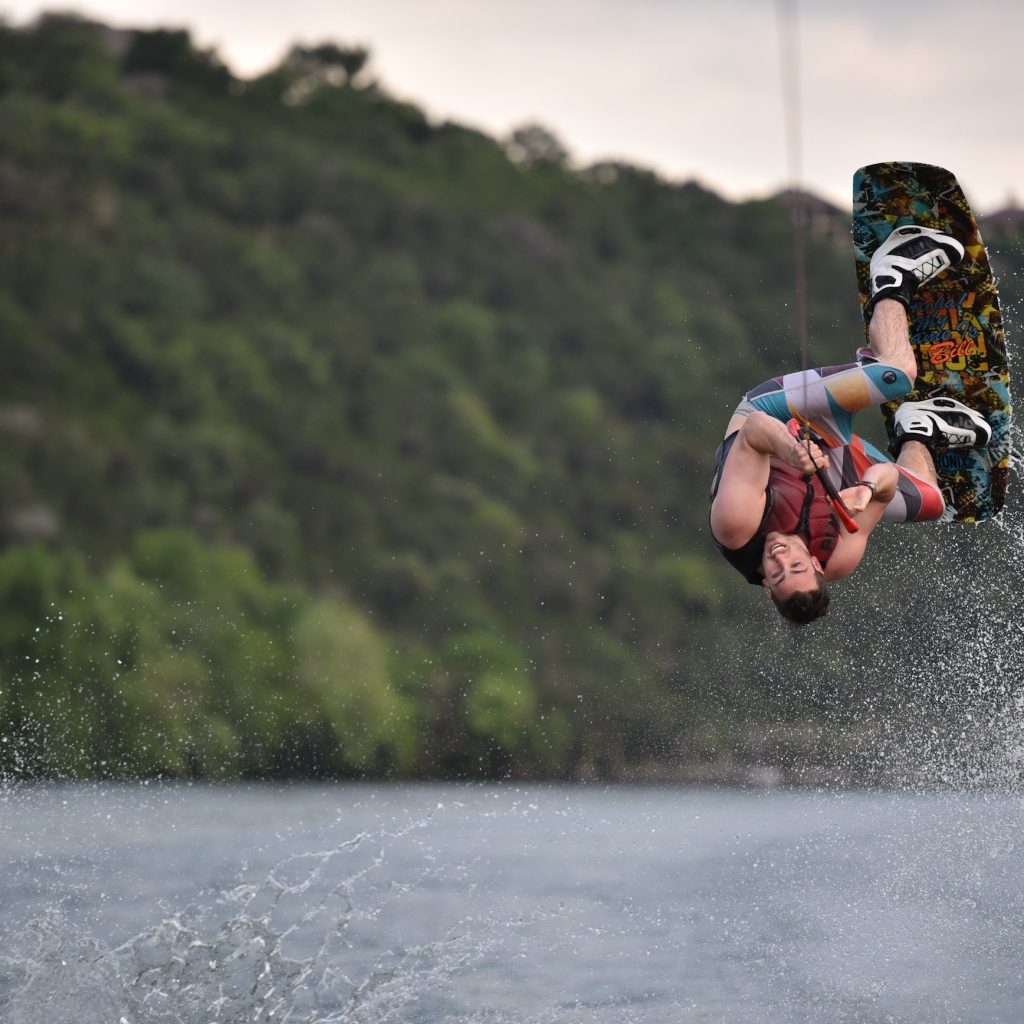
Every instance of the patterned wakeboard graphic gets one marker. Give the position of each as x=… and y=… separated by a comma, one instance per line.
x=955, y=325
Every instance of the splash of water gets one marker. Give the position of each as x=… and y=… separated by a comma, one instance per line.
x=923, y=692
x=273, y=950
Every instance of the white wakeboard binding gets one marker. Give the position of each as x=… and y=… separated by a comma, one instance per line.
x=910, y=256
x=941, y=424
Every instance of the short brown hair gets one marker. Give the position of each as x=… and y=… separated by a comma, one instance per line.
x=805, y=605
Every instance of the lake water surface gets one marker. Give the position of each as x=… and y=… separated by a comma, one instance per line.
x=160, y=904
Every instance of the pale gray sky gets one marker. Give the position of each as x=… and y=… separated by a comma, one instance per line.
x=691, y=88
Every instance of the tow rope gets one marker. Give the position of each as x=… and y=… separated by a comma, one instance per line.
x=804, y=433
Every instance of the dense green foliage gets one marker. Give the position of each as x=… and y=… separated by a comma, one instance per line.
x=337, y=440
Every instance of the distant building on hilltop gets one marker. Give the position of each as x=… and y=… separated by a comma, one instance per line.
x=116, y=41
x=1008, y=221
x=817, y=216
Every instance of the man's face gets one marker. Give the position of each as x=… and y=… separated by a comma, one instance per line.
x=787, y=565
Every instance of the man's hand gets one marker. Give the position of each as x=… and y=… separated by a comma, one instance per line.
x=805, y=456
x=884, y=475
x=857, y=498
x=766, y=434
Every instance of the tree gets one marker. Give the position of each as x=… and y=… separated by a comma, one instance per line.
x=532, y=144
x=326, y=65
x=170, y=53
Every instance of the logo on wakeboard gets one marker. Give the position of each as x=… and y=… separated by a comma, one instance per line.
x=946, y=353
x=950, y=336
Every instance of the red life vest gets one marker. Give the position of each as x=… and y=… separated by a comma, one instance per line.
x=793, y=505
x=800, y=505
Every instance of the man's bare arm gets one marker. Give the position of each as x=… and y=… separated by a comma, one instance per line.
x=739, y=505
x=867, y=508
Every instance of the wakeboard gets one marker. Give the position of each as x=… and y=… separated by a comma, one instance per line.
x=955, y=324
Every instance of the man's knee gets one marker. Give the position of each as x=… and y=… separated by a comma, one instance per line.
x=908, y=365
x=892, y=379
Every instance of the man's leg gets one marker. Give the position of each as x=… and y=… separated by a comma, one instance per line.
x=889, y=337
x=827, y=398
x=918, y=498
x=916, y=457
x=912, y=255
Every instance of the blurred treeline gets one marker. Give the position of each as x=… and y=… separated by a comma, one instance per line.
x=339, y=441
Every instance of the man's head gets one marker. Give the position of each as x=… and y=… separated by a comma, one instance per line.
x=794, y=578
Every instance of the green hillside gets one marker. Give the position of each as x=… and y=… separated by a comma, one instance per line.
x=339, y=441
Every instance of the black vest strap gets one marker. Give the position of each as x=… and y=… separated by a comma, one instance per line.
x=803, y=525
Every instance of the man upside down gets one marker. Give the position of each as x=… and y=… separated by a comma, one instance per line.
x=770, y=515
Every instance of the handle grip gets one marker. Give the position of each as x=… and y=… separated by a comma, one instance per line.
x=802, y=433
x=837, y=503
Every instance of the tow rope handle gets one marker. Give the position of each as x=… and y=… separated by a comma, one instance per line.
x=803, y=433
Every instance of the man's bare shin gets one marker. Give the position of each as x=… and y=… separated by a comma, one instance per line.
x=916, y=457
x=889, y=335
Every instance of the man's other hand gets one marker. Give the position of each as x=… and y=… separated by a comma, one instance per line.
x=885, y=477
x=804, y=455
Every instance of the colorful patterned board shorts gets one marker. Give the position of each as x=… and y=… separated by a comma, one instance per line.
x=827, y=399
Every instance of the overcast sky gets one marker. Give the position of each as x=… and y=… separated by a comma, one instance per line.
x=691, y=88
